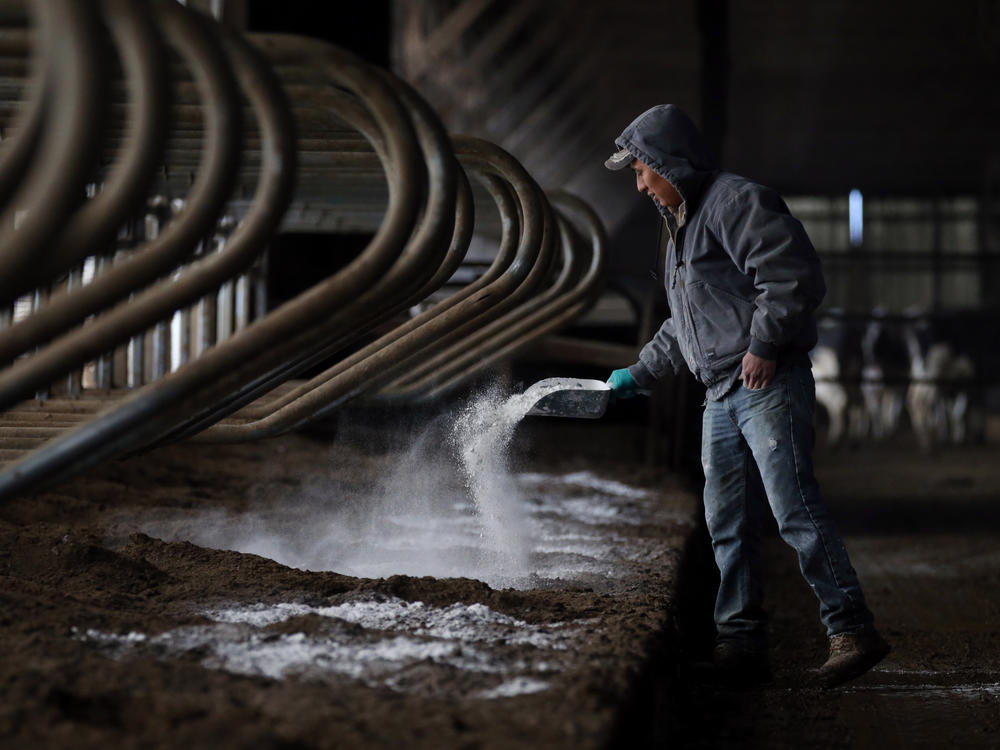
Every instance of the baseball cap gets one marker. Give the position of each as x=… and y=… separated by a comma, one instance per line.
x=619, y=159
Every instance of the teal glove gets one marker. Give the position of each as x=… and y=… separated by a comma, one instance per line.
x=623, y=385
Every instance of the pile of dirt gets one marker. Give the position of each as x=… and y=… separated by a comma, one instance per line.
x=112, y=637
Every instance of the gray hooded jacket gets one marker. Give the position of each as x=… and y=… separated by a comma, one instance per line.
x=740, y=272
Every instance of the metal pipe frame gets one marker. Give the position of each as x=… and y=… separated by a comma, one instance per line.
x=149, y=413
x=571, y=294
x=472, y=345
x=93, y=228
x=508, y=338
x=454, y=342
x=194, y=39
x=531, y=261
x=16, y=153
x=506, y=252
x=395, y=290
x=260, y=389
x=493, y=293
x=71, y=41
x=426, y=227
x=382, y=360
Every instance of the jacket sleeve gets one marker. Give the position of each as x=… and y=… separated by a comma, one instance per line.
x=768, y=244
x=658, y=356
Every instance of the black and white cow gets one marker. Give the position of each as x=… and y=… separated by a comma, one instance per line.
x=837, y=365
x=944, y=400
x=885, y=373
x=872, y=372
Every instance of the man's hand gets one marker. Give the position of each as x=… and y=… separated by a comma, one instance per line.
x=757, y=371
x=622, y=384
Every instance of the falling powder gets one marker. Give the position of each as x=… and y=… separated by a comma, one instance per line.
x=447, y=506
x=482, y=436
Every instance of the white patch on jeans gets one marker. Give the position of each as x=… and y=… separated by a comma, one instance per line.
x=772, y=444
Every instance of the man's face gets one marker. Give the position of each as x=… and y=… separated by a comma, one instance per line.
x=650, y=183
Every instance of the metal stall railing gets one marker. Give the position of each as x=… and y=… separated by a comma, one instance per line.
x=368, y=148
x=576, y=290
x=382, y=360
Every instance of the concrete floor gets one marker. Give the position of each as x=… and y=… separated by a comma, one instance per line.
x=923, y=532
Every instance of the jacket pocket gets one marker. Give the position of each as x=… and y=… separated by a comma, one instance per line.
x=721, y=323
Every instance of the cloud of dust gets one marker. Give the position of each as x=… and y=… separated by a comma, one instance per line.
x=447, y=506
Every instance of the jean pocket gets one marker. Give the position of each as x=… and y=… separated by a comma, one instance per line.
x=777, y=383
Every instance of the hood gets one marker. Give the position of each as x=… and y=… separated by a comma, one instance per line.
x=665, y=139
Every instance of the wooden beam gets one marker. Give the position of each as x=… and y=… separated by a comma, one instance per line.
x=713, y=28
x=566, y=57
x=446, y=35
x=565, y=159
x=502, y=81
x=567, y=98
x=516, y=16
x=457, y=80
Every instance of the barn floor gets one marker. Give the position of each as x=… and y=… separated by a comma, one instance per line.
x=128, y=620
x=924, y=535
x=116, y=632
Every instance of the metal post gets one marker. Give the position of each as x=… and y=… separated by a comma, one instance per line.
x=36, y=302
x=260, y=271
x=74, y=381
x=180, y=338
x=206, y=312
x=226, y=296
x=154, y=220
x=937, y=267
x=104, y=375
x=713, y=27
x=135, y=362
x=241, y=315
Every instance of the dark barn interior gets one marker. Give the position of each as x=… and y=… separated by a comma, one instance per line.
x=299, y=301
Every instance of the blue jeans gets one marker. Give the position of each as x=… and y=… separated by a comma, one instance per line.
x=771, y=431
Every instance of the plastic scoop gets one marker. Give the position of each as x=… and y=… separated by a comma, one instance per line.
x=568, y=397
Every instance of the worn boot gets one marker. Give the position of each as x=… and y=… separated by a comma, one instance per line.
x=740, y=664
x=851, y=655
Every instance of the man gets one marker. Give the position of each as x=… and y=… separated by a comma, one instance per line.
x=742, y=280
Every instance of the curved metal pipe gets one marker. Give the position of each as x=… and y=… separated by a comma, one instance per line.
x=504, y=257
x=51, y=190
x=16, y=153
x=94, y=226
x=425, y=251
x=151, y=411
x=429, y=249
x=191, y=34
x=507, y=338
x=337, y=385
x=473, y=346
x=532, y=276
x=256, y=389
x=274, y=193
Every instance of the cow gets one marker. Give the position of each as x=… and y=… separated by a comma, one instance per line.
x=943, y=400
x=871, y=372
x=885, y=372
x=837, y=365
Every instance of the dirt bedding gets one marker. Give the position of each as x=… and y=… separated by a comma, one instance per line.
x=118, y=631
